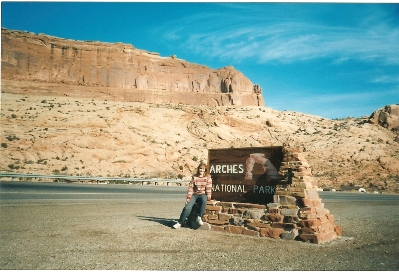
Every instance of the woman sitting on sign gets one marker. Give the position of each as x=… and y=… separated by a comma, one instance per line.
x=199, y=190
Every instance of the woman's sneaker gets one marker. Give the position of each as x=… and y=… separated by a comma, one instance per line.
x=199, y=221
x=177, y=225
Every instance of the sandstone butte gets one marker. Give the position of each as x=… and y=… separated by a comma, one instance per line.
x=100, y=109
x=131, y=74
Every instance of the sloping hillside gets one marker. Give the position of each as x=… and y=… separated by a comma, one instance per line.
x=93, y=136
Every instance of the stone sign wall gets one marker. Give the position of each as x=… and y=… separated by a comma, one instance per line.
x=294, y=210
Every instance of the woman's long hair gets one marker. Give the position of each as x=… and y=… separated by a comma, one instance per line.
x=202, y=165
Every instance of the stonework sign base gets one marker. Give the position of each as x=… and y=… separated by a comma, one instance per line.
x=278, y=220
x=292, y=211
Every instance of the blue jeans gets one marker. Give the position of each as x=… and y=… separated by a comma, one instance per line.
x=189, y=206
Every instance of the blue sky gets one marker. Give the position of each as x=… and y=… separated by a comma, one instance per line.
x=330, y=60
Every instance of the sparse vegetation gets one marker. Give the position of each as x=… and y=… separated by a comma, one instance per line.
x=12, y=138
x=12, y=167
x=42, y=161
x=337, y=151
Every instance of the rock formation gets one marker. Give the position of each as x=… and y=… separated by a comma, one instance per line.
x=388, y=117
x=130, y=74
x=90, y=136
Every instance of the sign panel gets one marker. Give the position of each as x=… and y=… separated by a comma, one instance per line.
x=246, y=175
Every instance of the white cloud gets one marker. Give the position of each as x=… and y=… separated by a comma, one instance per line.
x=339, y=105
x=347, y=97
x=386, y=79
x=235, y=36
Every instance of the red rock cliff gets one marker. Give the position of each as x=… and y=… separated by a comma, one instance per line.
x=135, y=75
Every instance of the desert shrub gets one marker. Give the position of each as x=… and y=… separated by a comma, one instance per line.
x=165, y=174
x=12, y=166
x=42, y=161
x=64, y=168
x=4, y=145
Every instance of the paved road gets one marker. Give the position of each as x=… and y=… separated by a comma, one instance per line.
x=89, y=226
x=85, y=192
x=91, y=192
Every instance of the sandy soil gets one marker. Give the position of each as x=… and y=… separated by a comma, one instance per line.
x=136, y=235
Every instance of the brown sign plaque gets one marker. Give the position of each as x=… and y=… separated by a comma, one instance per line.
x=246, y=175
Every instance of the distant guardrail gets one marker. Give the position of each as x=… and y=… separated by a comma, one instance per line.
x=65, y=178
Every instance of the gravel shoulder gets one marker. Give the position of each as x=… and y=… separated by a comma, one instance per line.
x=135, y=234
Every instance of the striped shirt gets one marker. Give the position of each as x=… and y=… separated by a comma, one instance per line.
x=200, y=186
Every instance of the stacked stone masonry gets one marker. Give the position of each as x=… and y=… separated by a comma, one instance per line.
x=296, y=213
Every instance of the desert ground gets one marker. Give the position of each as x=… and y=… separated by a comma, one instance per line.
x=132, y=231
